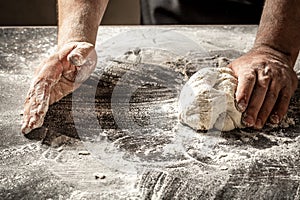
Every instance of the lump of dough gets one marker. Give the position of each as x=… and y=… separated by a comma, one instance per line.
x=207, y=100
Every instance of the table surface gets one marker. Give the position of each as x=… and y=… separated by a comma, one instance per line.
x=110, y=141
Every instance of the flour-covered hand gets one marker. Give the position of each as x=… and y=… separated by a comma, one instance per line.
x=56, y=77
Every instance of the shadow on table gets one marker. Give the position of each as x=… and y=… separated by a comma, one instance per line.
x=59, y=127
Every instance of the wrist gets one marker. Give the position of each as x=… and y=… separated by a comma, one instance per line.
x=287, y=57
x=64, y=41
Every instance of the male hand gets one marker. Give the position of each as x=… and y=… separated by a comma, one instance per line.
x=56, y=77
x=266, y=83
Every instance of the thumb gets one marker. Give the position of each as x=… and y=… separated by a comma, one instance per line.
x=84, y=58
x=80, y=53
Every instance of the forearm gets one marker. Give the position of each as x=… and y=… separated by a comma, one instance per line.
x=78, y=20
x=279, y=28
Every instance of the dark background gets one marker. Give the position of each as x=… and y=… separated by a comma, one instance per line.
x=43, y=12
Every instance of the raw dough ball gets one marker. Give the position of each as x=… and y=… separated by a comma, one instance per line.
x=207, y=100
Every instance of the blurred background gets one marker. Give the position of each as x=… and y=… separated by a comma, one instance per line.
x=43, y=12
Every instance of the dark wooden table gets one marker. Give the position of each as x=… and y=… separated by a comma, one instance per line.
x=118, y=136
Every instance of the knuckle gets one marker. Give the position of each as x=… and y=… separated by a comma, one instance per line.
x=285, y=97
x=264, y=81
x=250, y=77
x=88, y=45
x=272, y=95
x=267, y=70
x=294, y=80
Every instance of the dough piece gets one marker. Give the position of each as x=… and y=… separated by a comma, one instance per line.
x=207, y=100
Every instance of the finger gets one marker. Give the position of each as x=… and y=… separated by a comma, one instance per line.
x=244, y=89
x=83, y=59
x=268, y=104
x=33, y=118
x=36, y=106
x=281, y=106
x=56, y=93
x=85, y=70
x=61, y=89
x=39, y=106
x=26, y=118
x=27, y=105
x=257, y=98
x=78, y=56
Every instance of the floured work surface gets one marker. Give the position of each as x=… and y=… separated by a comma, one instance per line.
x=125, y=115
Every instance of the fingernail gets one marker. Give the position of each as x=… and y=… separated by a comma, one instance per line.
x=259, y=124
x=25, y=130
x=248, y=120
x=241, y=106
x=274, y=119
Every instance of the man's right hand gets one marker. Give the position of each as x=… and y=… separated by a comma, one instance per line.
x=56, y=77
x=266, y=83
